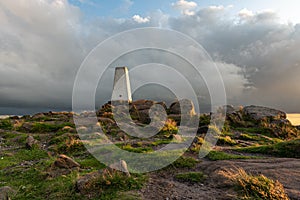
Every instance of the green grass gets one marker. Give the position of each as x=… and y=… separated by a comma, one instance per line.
x=45, y=127
x=31, y=184
x=259, y=130
x=259, y=138
x=192, y=177
x=290, y=149
x=219, y=155
x=11, y=139
x=129, y=148
x=226, y=140
x=185, y=162
x=204, y=120
x=6, y=124
x=90, y=162
x=111, y=186
x=21, y=155
x=31, y=181
x=160, y=142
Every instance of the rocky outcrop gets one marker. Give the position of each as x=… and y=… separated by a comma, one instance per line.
x=265, y=120
x=259, y=113
x=139, y=110
x=63, y=165
x=66, y=162
x=183, y=105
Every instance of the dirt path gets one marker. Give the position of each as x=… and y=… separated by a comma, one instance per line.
x=163, y=185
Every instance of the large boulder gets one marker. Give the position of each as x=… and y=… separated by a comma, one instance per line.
x=120, y=166
x=63, y=165
x=140, y=110
x=271, y=121
x=260, y=113
x=184, y=105
x=66, y=162
x=38, y=116
x=142, y=104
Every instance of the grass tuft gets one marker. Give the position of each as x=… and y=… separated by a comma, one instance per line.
x=255, y=187
x=219, y=155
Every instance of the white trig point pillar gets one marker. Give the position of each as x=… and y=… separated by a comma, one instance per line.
x=122, y=89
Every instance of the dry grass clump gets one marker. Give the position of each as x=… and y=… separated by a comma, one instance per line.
x=170, y=126
x=255, y=187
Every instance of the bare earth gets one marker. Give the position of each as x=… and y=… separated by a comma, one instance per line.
x=162, y=185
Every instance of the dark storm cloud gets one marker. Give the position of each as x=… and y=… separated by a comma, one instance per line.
x=42, y=44
x=266, y=50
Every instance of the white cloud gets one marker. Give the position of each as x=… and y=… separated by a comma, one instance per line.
x=216, y=8
x=186, y=7
x=188, y=12
x=141, y=20
x=245, y=13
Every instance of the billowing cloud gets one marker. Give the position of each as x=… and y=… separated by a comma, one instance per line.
x=141, y=20
x=266, y=51
x=40, y=53
x=186, y=7
x=245, y=13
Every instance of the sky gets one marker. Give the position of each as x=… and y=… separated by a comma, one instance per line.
x=255, y=44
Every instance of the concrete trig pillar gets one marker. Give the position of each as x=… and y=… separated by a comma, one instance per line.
x=122, y=89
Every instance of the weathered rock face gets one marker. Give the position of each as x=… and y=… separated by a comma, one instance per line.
x=267, y=120
x=141, y=109
x=259, y=113
x=142, y=104
x=31, y=142
x=63, y=165
x=66, y=162
x=120, y=166
x=185, y=105
x=84, y=183
x=38, y=116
